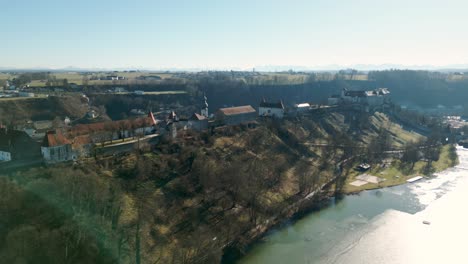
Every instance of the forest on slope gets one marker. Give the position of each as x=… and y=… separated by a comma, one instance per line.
x=415, y=89
x=420, y=89
x=186, y=200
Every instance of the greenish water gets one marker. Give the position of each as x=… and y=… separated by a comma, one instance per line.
x=313, y=238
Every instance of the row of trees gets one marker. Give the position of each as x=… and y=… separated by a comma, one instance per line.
x=52, y=80
x=62, y=215
x=26, y=78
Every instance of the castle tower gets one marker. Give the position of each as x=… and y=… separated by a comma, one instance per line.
x=204, y=110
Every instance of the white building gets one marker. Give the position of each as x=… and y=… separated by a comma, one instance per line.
x=375, y=97
x=56, y=148
x=67, y=121
x=5, y=150
x=268, y=109
x=5, y=155
x=302, y=107
x=92, y=114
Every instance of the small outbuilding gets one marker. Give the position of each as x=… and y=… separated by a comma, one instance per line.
x=302, y=107
x=197, y=122
x=363, y=167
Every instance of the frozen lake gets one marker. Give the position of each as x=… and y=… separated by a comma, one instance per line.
x=378, y=226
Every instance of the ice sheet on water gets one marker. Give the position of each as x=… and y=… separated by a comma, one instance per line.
x=427, y=191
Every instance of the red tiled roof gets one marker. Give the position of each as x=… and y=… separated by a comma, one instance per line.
x=55, y=138
x=196, y=116
x=150, y=115
x=84, y=129
x=237, y=110
x=81, y=140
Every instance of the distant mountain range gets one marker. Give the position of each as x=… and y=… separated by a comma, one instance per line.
x=262, y=68
x=365, y=67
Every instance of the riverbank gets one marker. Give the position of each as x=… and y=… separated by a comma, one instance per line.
x=319, y=237
x=396, y=174
x=429, y=236
x=312, y=202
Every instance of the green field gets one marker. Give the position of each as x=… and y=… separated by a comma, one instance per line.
x=5, y=76
x=395, y=175
x=37, y=96
x=77, y=78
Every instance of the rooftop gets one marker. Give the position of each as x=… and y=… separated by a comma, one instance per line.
x=81, y=140
x=376, y=92
x=113, y=125
x=54, y=138
x=198, y=117
x=237, y=110
x=43, y=124
x=82, y=129
x=272, y=105
x=303, y=105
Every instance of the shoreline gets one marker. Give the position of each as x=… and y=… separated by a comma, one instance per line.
x=430, y=229
x=304, y=206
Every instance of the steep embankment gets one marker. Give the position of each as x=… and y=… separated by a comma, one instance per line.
x=188, y=199
x=119, y=106
x=75, y=107
x=42, y=108
x=222, y=93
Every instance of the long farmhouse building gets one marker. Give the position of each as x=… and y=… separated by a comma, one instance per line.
x=373, y=98
x=78, y=140
x=236, y=115
x=114, y=130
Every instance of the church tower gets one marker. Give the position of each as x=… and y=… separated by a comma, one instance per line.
x=204, y=110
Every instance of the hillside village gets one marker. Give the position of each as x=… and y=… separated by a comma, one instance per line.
x=230, y=173
x=195, y=165
x=66, y=142
x=211, y=158
x=233, y=132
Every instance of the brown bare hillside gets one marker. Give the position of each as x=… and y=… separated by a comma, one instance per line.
x=42, y=108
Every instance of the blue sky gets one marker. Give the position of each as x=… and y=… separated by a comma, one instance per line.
x=231, y=34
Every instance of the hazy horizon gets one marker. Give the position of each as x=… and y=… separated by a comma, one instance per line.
x=258, y=68
x=239, y=35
